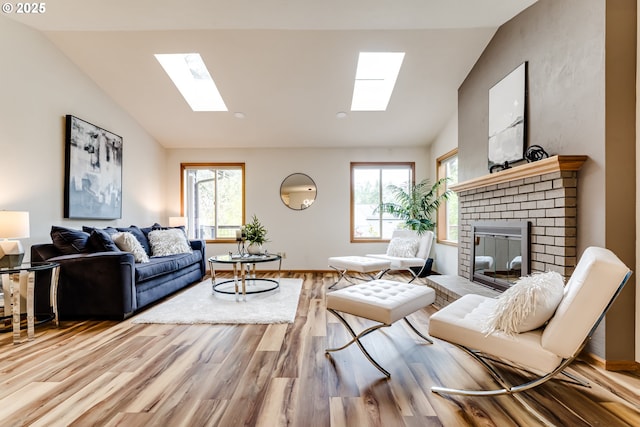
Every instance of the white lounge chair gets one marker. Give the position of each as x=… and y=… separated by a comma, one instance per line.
x=597, y=280
x=417, y=263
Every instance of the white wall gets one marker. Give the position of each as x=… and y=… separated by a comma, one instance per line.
x=308, y=236
x=39, y=87
x=445, y=256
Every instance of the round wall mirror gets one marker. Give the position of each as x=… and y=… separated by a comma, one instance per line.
x=298, y=191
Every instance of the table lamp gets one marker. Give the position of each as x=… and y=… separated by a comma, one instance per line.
x=13, y=225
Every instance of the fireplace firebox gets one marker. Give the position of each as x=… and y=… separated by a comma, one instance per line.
x=500, y=252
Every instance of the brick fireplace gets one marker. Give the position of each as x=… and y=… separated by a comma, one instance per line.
x=543, y=193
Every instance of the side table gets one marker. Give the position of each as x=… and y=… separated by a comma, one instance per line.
x=18, y=284
x=243, y=264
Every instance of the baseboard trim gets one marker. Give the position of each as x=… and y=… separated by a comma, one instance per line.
x=610, y=365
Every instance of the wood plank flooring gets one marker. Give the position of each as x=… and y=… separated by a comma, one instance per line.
x=105, y=373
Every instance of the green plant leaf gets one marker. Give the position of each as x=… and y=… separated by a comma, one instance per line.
x=418, y=206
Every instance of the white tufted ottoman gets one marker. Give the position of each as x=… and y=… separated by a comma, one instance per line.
x=383, y=301
x=361, y=264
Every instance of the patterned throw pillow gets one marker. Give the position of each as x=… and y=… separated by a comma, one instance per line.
x=168, y=242
x=403, y=247
x=127, y=242
x=528, y=304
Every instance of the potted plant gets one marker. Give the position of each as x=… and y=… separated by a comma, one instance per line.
x=256, y=235
x=418, y=206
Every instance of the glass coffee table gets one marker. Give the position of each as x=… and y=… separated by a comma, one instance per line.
x=244, y=272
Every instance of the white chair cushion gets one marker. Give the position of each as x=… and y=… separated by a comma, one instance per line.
x=595, y=280
x=399, y=263
x=360, y=264
x=462, y=322
x=381, y=300
x=526, y=305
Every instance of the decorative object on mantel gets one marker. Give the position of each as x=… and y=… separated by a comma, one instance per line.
x=256, y=235
x=417, y=206
x=499, y=167
x=507, y=100
x=535, y=153
x=93, y=171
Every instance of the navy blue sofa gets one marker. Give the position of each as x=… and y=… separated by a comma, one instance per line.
x=99, y=281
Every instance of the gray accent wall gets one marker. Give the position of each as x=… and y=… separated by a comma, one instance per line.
x=581, y=101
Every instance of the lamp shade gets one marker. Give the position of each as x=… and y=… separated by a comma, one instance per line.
x=177, y=221
x=14, y=225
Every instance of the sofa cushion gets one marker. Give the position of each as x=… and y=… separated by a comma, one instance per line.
x=101, y=241
x=528, y=304
x=158, y=266
x=127, y=242
x=69, y=241
x=168, y=242
x=138, y=235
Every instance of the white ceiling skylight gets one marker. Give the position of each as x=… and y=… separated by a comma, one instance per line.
x=191, y=77
x=375, y=79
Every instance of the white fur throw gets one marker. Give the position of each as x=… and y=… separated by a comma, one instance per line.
x=528, y=304
x=403, y=247
x=168, y=242
x=127, y=242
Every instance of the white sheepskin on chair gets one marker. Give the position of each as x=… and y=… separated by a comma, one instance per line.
x=527, y=305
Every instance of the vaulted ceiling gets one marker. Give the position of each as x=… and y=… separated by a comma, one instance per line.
x=287, y=65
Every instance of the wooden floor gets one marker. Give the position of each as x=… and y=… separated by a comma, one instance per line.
x=104, y=373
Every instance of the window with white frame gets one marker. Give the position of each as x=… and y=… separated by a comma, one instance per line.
x=447, y=167
x=369, y=188
x=213, y=199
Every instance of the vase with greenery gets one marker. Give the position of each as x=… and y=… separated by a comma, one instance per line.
x=256, y=235
x=417, y=206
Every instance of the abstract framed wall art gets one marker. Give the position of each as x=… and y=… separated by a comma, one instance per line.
x=507, y=101
x=93, y=171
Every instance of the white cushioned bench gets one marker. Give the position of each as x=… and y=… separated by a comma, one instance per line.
x=383, y=301
x=360, y=264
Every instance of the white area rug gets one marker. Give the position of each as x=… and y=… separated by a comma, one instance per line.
x=200, y=304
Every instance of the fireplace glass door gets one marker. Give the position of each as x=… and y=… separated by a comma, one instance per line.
x=501, y=253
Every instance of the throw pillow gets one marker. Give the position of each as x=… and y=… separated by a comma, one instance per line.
x=528, y=304
x=101, y=241
x=109, y=230
x=138, y=234
x=127, y=242
x=168, y=242
x=403, y=247
x=69, y=241
x=156, y=226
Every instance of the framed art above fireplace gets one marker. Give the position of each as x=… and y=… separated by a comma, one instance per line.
x=507, y=124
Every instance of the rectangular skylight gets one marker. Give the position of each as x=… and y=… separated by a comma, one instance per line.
x=191, y=77
x=375, y=79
